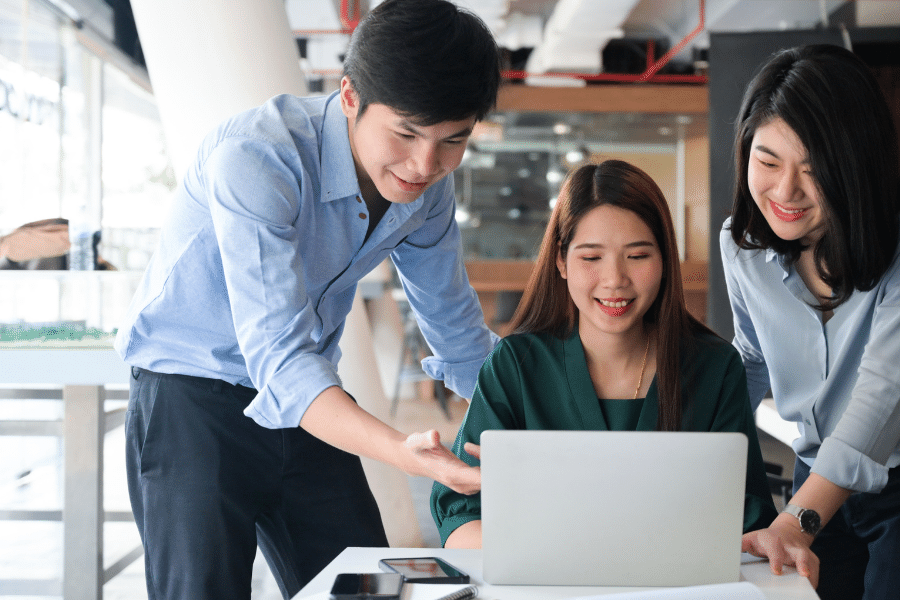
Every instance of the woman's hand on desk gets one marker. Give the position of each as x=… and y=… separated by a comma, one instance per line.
x=784, y=544
x=436, y=461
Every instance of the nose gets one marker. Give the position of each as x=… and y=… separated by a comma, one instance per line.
x=613, y=274
x=424, y=160
x=785, y=189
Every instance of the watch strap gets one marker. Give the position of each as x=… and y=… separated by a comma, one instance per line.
x=809, y=523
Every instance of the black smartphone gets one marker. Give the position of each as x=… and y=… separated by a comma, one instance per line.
x=429, y=569
x=367, y=586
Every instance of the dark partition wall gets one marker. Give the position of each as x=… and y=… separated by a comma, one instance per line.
x=733, y=60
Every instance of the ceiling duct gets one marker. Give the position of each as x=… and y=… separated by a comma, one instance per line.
x=576, y=33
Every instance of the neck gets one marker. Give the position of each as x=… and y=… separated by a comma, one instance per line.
x=626, y=347
x=622, y=365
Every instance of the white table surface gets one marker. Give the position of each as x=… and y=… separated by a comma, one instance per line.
x=789, y=586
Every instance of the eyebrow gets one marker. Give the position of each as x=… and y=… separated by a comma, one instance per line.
x=768, y=150
x=638, y=244
x=408, y=126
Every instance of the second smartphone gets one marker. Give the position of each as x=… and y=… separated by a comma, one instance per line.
x=424, y=570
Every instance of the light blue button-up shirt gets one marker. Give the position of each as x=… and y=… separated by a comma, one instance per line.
x=839, y=381
x=259, y=260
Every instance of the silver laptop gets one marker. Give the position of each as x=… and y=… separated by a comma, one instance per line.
x=617, y=508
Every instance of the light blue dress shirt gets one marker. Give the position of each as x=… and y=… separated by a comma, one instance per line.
x=840, y=382
x=259, y=261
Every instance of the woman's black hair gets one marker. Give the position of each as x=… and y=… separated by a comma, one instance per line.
x=428, y=60
x=832, y=101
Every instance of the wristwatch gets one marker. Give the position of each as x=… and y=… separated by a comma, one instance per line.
x=810, y=521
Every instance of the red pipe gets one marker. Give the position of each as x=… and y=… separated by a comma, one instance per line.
x=677, y=48
x=616, y=77
x=349, y=21
x=305, y=32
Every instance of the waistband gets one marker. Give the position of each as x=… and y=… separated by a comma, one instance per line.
x=216, y=385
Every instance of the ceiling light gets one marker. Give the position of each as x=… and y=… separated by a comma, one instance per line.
x=562, y=128
x=555, y=176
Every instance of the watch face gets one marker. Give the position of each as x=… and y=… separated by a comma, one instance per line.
x=810, y=521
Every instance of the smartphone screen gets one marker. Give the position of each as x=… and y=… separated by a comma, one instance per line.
x=424, y=570
x=369, y=586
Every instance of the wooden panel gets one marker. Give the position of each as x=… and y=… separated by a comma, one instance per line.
x=636, y=97
x=499, y=275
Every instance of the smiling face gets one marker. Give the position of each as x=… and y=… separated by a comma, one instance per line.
x=613, y=270
x=782, y=185
x=396, y=156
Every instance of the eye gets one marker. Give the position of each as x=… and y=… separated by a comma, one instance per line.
x=406, y=136
x=590, y=258
x=639, y=256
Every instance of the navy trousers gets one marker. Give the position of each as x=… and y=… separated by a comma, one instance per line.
x=859, y=549
x=207, y=485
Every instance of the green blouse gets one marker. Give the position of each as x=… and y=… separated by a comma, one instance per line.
x=538, y=381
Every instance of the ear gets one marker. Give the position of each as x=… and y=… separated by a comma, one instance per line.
x=560, y=261
x=349, y=98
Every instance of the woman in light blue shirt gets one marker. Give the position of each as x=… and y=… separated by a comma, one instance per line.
x=811, y=261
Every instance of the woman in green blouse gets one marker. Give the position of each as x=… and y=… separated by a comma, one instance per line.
x=603, y=341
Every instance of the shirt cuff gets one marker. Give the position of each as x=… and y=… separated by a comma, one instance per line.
x=460, y=377
x=849, y=468
x=274, y=410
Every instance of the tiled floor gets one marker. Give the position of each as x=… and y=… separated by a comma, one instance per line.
x=34, y=550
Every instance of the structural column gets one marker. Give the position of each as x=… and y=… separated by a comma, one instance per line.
x=209, y=59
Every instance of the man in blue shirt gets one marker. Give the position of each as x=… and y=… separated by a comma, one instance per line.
x=239, y=315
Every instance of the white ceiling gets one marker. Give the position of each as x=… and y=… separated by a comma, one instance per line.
x=569, y=35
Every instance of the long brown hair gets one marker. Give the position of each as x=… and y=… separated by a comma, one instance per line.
x=547, y=307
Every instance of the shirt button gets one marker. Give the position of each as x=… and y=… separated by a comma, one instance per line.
x=358, y=199
x=807, y=421
x=362, y=215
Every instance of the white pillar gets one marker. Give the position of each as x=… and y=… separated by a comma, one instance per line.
x=209, y=59
x=361, y=377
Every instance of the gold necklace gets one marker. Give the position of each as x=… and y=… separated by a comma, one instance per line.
x=643, y=366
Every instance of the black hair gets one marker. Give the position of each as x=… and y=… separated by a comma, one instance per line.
x=832, y=102
x=428, y=60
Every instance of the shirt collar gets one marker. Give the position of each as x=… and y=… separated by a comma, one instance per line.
x=338, y=170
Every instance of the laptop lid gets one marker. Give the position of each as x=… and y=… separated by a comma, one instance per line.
x=618, y=508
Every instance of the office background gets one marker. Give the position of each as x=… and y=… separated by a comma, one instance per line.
x=81, y=132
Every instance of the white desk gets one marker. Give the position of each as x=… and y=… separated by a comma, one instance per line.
x=789, y=586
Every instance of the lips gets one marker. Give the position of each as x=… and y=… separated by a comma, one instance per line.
x=410, y=186
x=615, y=307
x=786, y=215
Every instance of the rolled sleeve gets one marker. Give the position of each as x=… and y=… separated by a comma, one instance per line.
x=856, y=454
x=847, y=467
x=254, y=211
